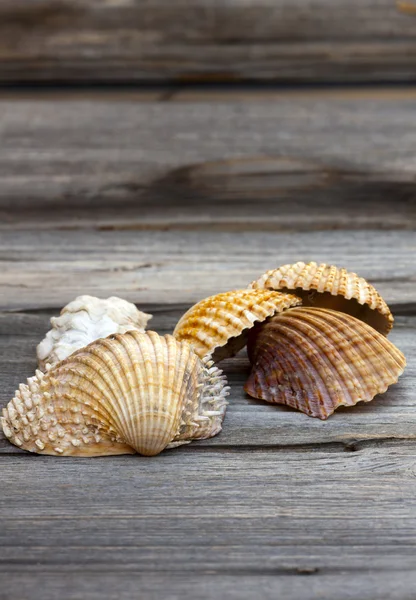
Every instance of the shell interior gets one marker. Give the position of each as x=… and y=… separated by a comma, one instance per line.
x=327, y=286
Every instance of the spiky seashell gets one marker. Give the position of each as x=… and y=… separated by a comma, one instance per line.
x=129, y=392
x=85, y=320
x=326, y=286
x=317, y=359
x=219, y=325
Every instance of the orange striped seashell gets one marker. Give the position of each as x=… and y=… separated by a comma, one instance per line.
x=326, y=286
x=316, y=360
x=131, y=392
x=219, y=325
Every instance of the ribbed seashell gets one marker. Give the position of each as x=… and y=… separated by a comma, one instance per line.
x=219, y=325
x=316, y=360
x=85, y=320
x=327, y=286
x=129, y=392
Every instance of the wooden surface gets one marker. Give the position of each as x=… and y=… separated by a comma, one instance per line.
x=164, y=202
x=206, y=40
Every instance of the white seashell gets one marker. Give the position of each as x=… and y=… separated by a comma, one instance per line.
x=131, y=392
x=85, y=320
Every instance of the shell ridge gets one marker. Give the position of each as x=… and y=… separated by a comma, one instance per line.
x=315, y=332
x=147, y=395
x=378, y=346
x=76, y=366
x=359, y=333
x=169, y=401
x=168, y=405
x=189, y=395
x=385, y=344
x=265, y=386
x=165, y=394
x=182, y=360
x=299, y=359
x=143, y=390
x=222, y=321
x=308, y=343
x=157, y=427
x=351, y=359
x=85, y=400
x=52, y=424
x=124, y=351
x=110, y=362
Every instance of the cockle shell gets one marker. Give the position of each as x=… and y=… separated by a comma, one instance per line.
x=85, y=320
x=129, y=392
x=327, y=286
x=316, y=360
x=219, y=325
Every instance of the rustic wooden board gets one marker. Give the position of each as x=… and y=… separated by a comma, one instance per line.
x=164, y=203
x=298, y=163
x=90, y=585
x=42, y=269
x=282, y=516
x=206, y=40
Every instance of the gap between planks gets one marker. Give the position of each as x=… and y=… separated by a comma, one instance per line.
x=208, y=93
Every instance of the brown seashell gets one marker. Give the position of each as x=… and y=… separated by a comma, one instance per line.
x=126, y=393
x=326, y=286
x=317, y=359
x=219, y=325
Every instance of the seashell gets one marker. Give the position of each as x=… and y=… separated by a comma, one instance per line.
x=317, y=359
x=85, y=320
x=326, y=286
x=126, y=393
x=219, y=325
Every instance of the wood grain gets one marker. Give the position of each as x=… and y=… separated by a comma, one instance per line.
x=43, y=269
x=278, y=516
x=165, y=203
x=294, y=164
x=203, y=40
x=307, y=585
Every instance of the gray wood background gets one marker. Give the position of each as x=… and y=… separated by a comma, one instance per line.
x=168, y=194
x=162, y=203
x=206, y=40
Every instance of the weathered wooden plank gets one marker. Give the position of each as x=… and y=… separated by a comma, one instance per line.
x=276, y=495
x=249, y=423
x=307, y=586
x=297, y=164
x=204, y=40
x=275, y=475
x=203, y=517
x=48, y=268
x=274, y=550
x=249, y=195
